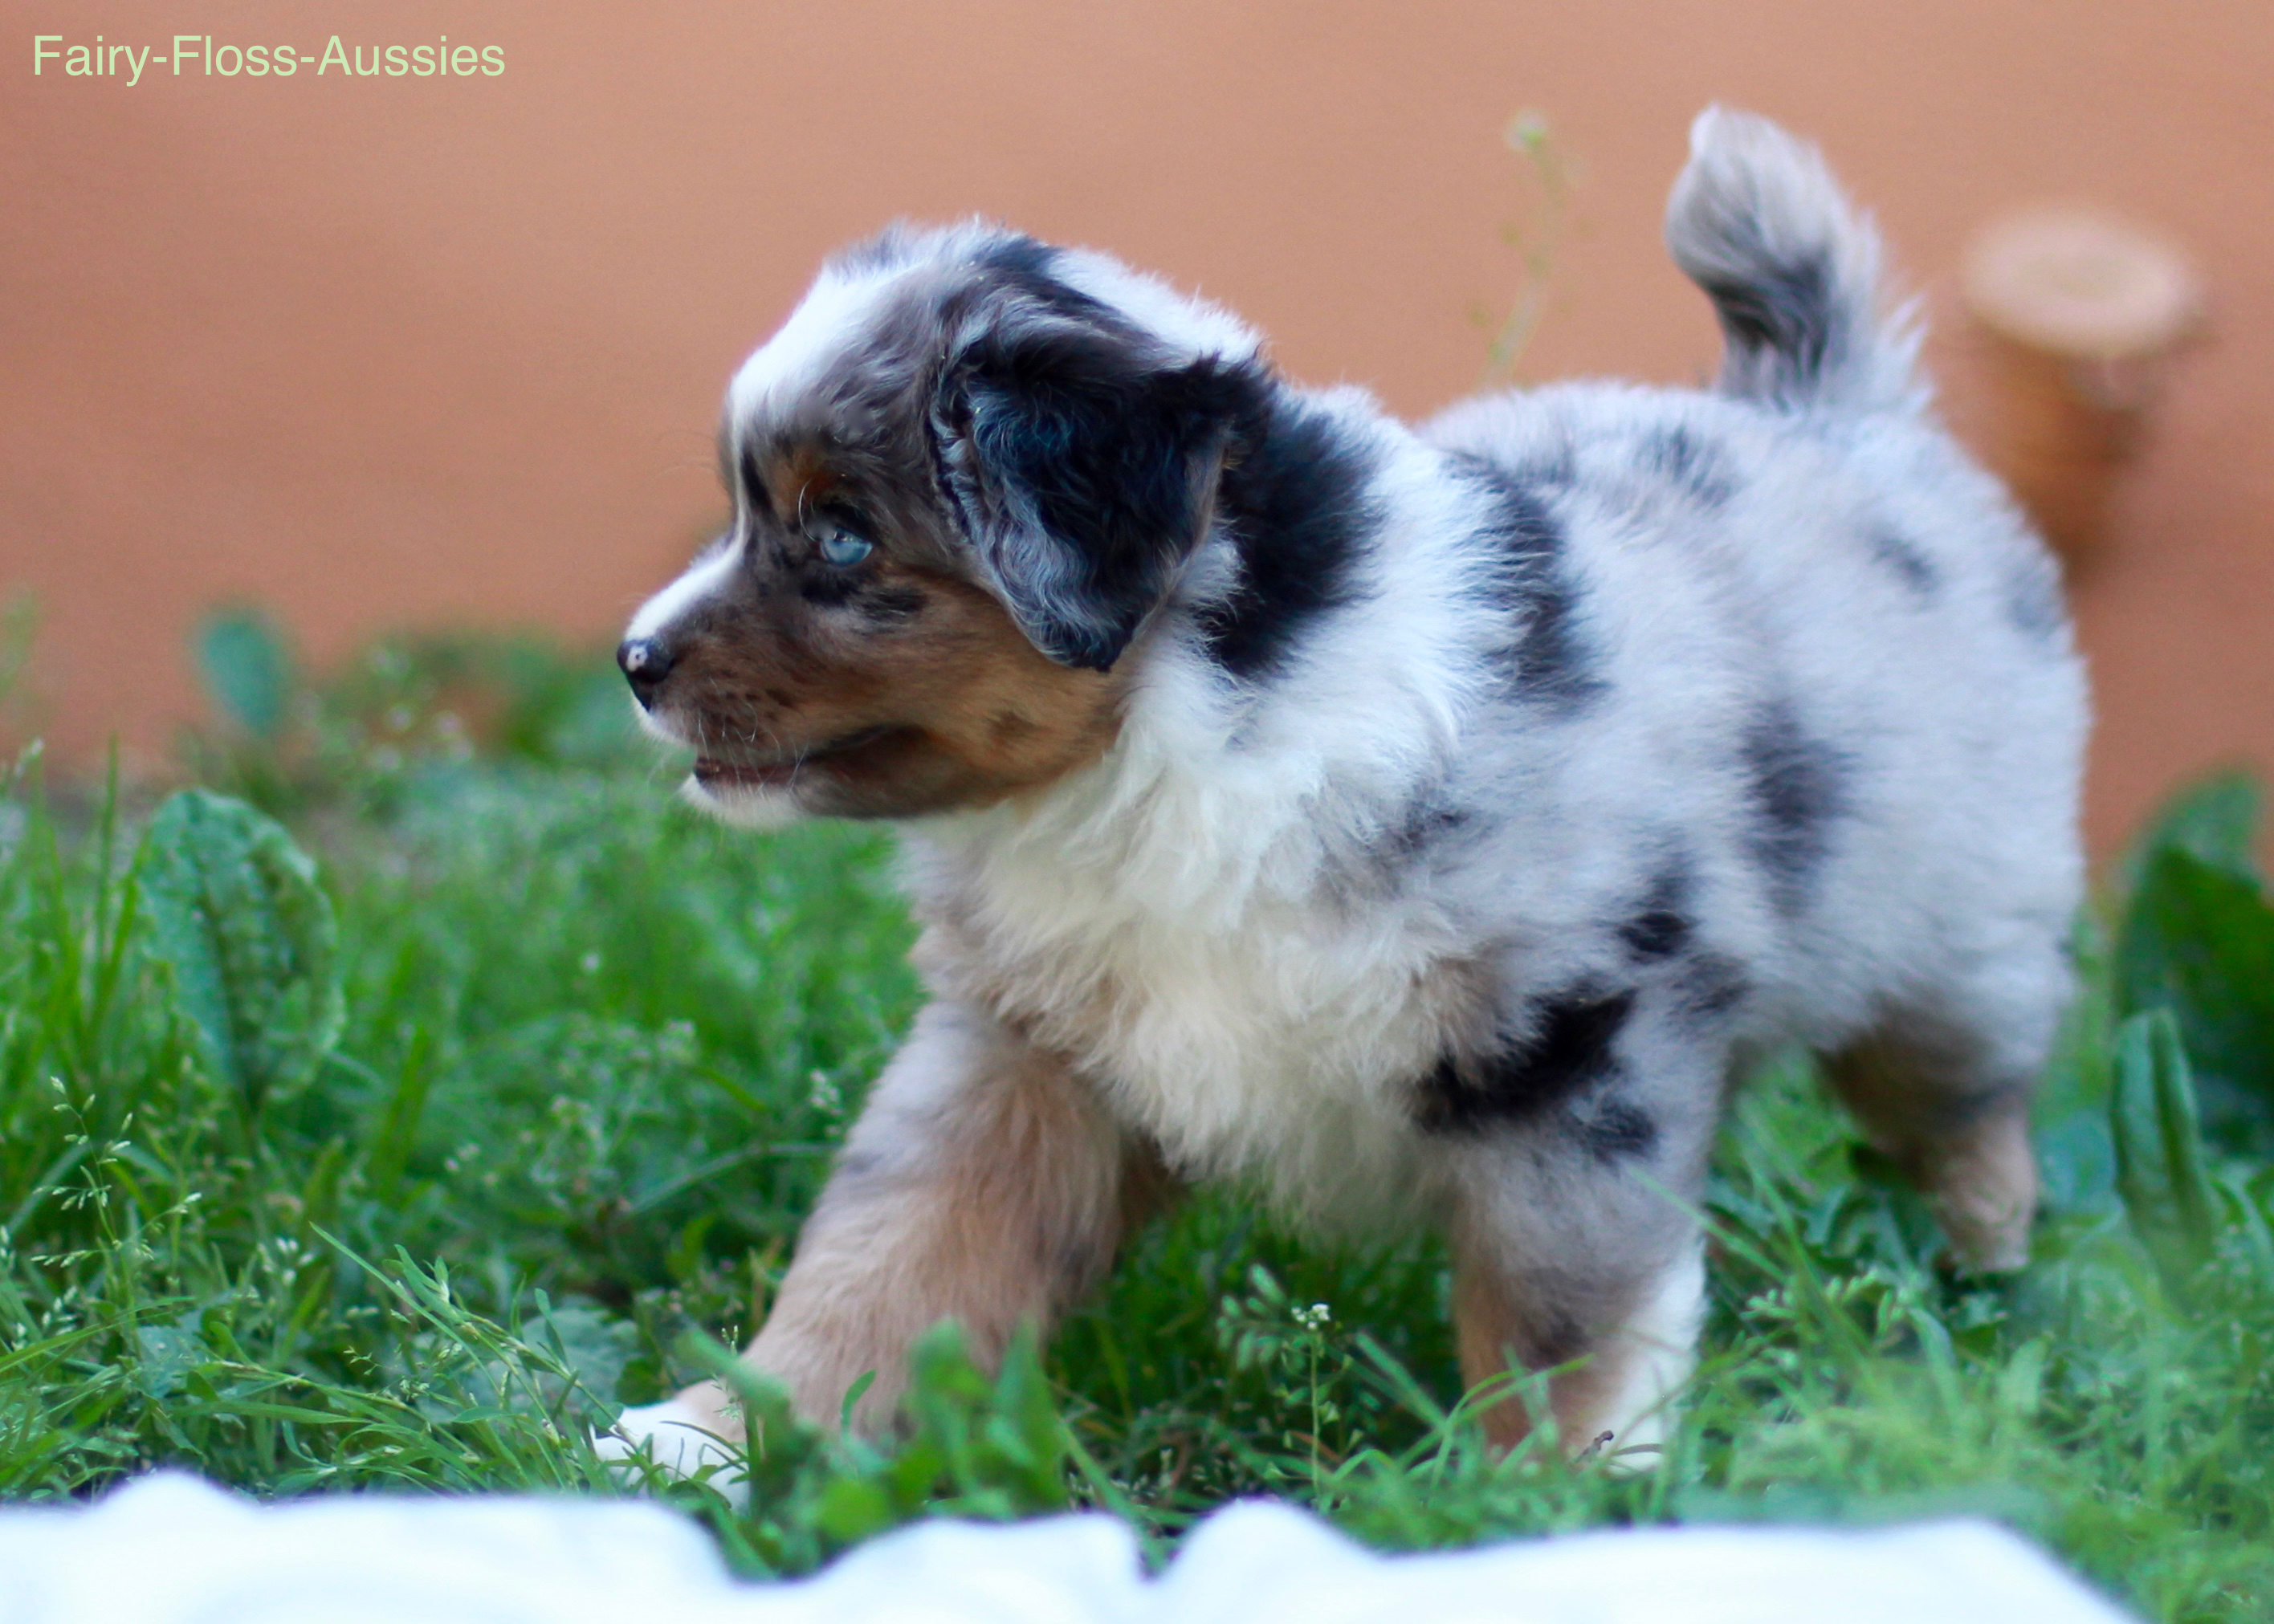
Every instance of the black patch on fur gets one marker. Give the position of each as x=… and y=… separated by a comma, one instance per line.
x=1571, y=1046
x=1618, y=1130
x=1293, y=500
x=1526, y=545
x=1660, y=929
x=1027, y=266
x=1028, y=258
x=1799, y=787
x=1900, y=554
x=1074, y=453
x=1698, y=469
x=755, y=496
x=1711, y=985
x=1781, y=309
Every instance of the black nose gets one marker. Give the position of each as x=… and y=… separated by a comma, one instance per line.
x=645, y=663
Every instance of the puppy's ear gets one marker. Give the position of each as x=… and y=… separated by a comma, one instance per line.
x=1081, y=466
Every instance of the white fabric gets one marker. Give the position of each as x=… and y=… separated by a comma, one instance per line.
x=168, y=1549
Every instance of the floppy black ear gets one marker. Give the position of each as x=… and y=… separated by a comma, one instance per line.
x=1081, y=465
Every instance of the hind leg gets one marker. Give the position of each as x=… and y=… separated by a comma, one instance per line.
x=1942, y=1086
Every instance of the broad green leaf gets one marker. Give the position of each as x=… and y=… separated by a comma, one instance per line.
x=247, y=670
x=237, y=916
x=2160, y=1150
x=2199, y=940
x=594, y=1347
x=2215, y=819
x=168, y=1354
x=2077, y=1162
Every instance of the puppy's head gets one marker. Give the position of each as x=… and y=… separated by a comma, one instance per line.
x=964, y=473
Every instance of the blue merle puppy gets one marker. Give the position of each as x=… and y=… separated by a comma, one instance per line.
x=1420, y=824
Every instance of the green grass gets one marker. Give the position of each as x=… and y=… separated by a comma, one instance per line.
x=587, y=1060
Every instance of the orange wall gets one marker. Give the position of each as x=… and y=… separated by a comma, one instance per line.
x=380, y=351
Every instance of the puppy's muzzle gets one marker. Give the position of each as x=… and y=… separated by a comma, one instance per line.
x=645, y=663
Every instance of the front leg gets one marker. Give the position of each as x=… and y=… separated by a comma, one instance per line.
x=981, y=1182
x=1575, y=1152
x=1625, y=1326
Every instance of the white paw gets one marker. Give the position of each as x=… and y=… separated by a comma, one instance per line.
x=678, y=1438
x=1634, y=1421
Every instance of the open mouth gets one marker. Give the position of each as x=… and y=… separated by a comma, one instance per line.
x=774, y=771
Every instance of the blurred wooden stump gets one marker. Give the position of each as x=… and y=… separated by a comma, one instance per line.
x=2074, y=315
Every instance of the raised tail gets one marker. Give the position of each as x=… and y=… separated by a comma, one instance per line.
x=1757, y=221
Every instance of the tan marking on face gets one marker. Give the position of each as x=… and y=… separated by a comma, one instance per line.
x=799, y=480
x=951, y=705
x=1010, y=714
x=901, y=687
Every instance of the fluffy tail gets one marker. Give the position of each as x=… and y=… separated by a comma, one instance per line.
x=1793, y=270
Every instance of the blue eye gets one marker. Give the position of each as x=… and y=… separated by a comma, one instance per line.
x=837, y=545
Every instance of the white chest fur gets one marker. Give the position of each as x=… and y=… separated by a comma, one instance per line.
x=1275, y=1041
